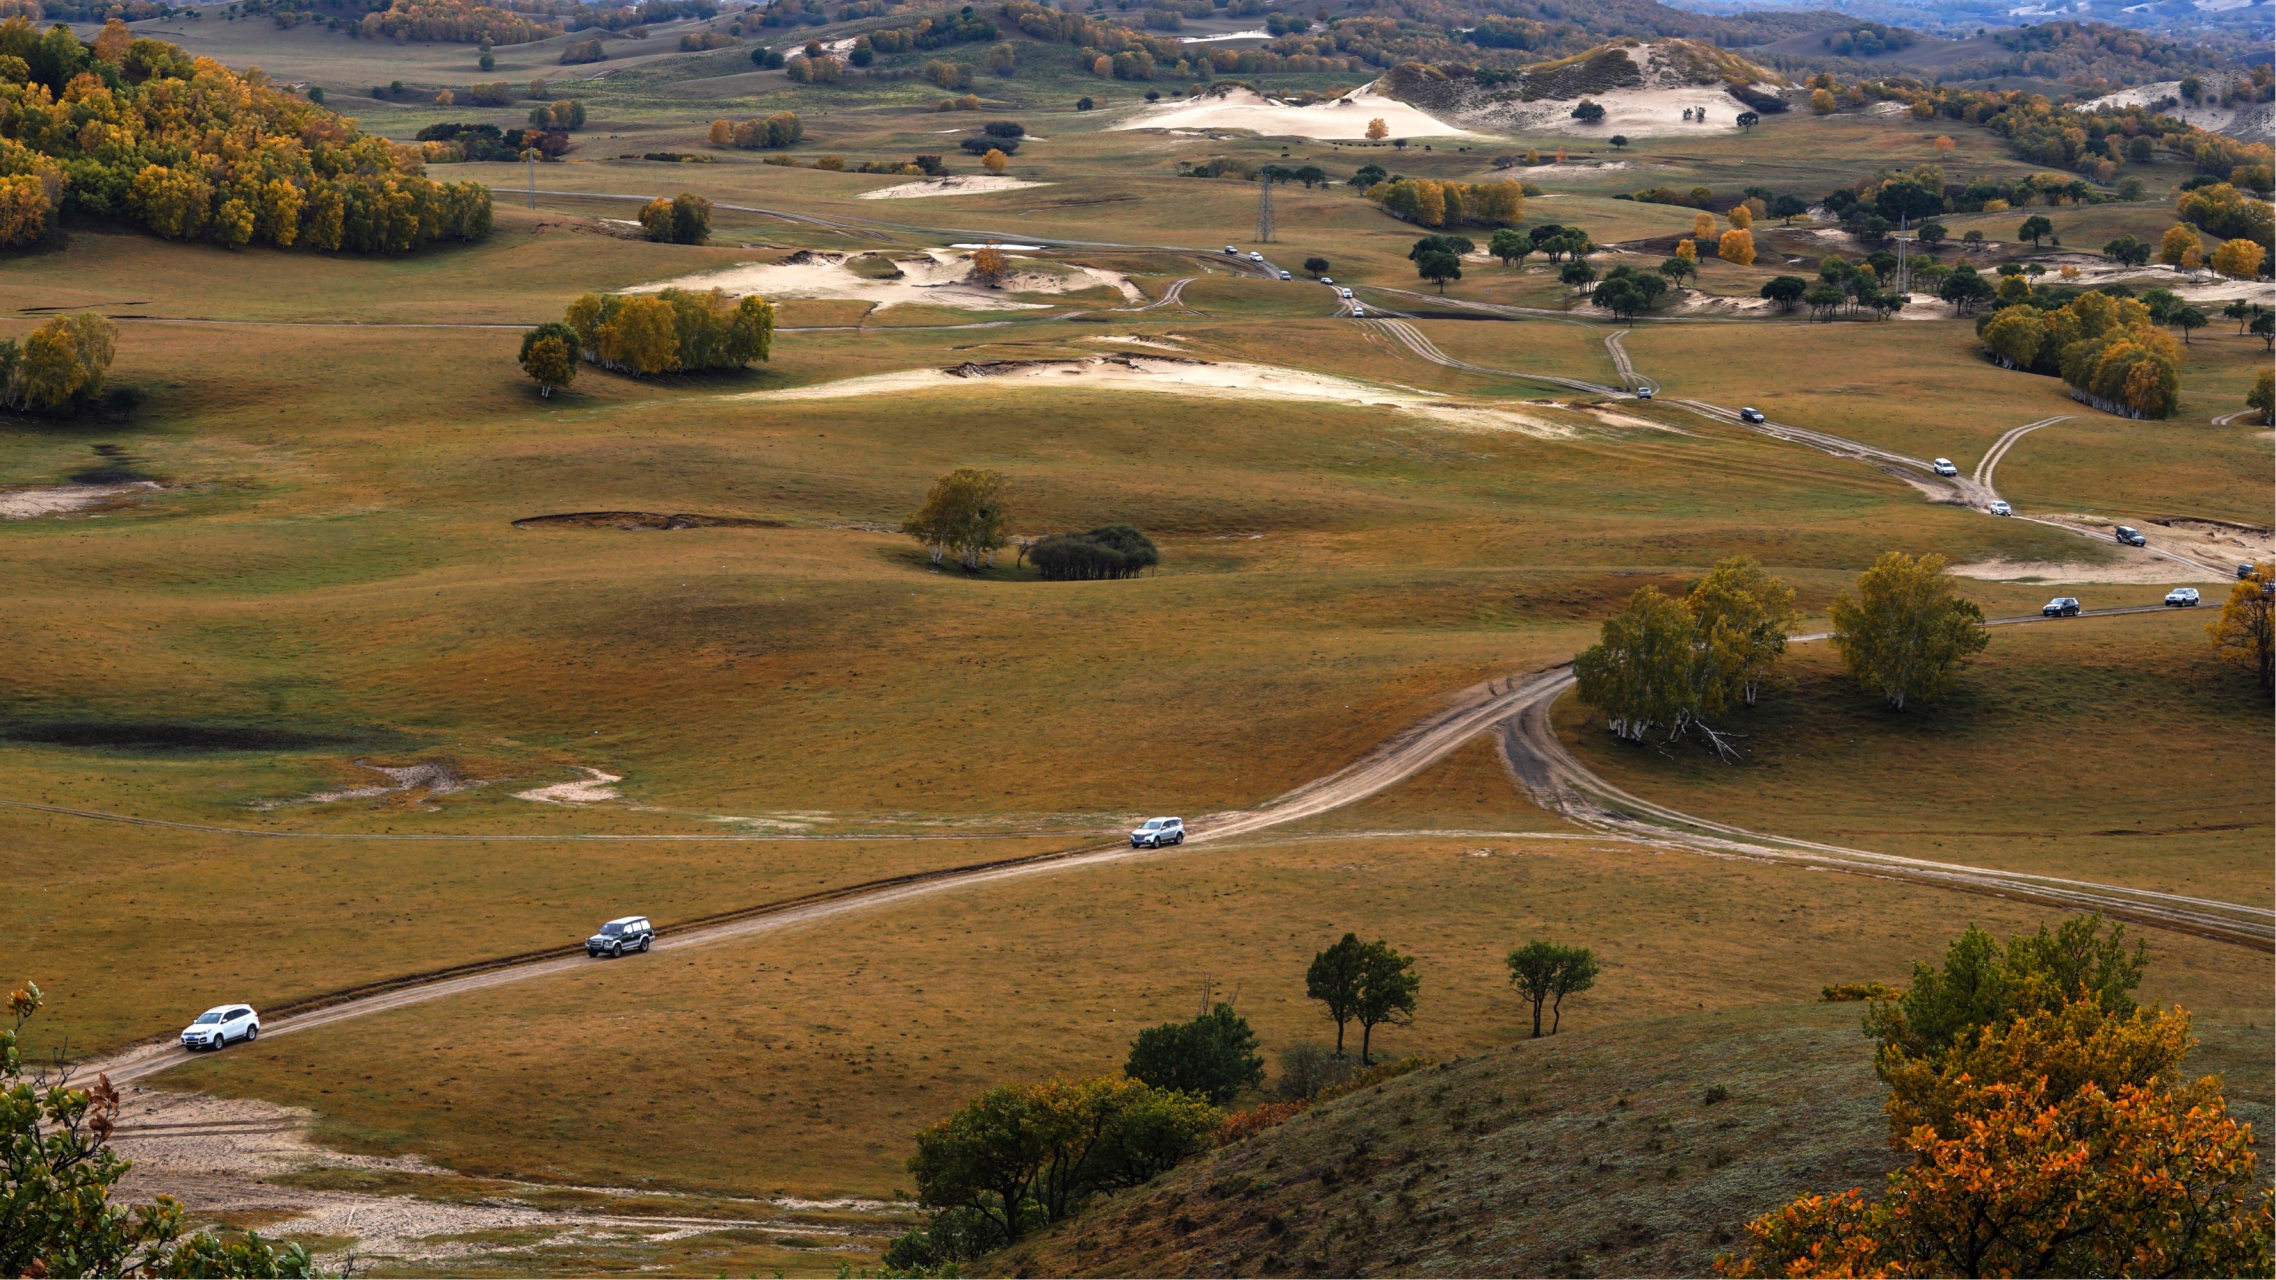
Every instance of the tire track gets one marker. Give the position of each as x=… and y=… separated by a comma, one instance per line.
x=1998, y=451
x=1414, y=340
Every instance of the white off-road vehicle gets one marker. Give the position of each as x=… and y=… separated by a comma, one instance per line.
x=1153, y=833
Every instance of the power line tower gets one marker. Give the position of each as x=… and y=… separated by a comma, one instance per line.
x=1264, y=210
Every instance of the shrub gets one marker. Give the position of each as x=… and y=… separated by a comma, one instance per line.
x=565, y=114
x=704, y=41
x=1109, y=552
x=1214, y=1056
x=60, y=366
x=984, y=144
x=782, y=129
x=1004, y=129
x=583, y=51
x=766, y=59
x=681, y=219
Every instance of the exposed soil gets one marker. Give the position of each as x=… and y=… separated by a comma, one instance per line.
x=935, y=277
x=952, y=185
x=595, y=787
x=1346, y=117
x=642, y=520
x=1189, y=377
x=71, y=499
x=435, y=778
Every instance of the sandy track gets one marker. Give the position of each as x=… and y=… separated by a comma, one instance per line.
x=1414, y=340
x=1992, y=456
x=1558, y=781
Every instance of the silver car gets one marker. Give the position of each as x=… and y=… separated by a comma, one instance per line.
x=220, y=1025
x=1153, y=833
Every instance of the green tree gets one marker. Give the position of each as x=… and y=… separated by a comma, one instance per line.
x=549, y=355
x=2186, y=319
x=1545, y=973
x=2263, y=397
x=1019, y=1156
x=1906, y=633
x=1576, y=275
x=1621, y=297
x=1588, y=112
x=964, y=515
x=1932, y=234
x=1388, y=986
x=1679, y=267
x=1334, y=980
x=1744, y=616
x=56, y=1215
x=1785, y=290
x=1438, y=267
x=1214, y=1056
x=1316, y=266
x=1788, y=208
x=61, y=365
x=1512, y=246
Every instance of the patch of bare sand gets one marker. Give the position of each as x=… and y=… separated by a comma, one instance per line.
x=595, y=787
x=1527, y=172
x=2147, y=571
x=934, y=277
x=68, y=499
x=436, y=778
x=952, y=185
x=220, y=1156
x=1186, y=377
x=1346, y=117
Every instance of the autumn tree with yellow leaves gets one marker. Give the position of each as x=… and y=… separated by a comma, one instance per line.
x=2050, y=1127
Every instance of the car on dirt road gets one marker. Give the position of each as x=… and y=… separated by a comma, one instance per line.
x=1750, y=414
x=2060, y=607
x=1358, y=312
x=1944, y=467
x=1231, y=250
x=625, y=933
x=1254, y=256
x=2000, y=509
x=220, y=1025
x=2244, y=570
x=1327, y=280
x=1343, y=293
x=1153, y=833
x=2130, y=535
x=1285, y=276
x=2182, y=597
x=1643, y=393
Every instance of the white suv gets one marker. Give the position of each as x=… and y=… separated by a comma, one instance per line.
x=625, y=933
x=220, y=1025
x=2182, y=597
x=1944, y=467
x=1156, y=832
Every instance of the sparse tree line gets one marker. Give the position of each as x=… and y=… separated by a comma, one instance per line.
x=58, y=368
x=2049, y=1126
x=190, y=150
x=1020, y=1157
x=966, y=518
x=1664, y=668
x=670, y=331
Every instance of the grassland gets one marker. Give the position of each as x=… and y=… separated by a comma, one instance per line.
x=332, y=579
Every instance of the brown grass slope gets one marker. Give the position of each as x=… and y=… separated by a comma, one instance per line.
x=1595, y=1152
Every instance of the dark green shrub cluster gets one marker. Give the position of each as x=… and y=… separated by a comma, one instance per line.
x=1107, y=552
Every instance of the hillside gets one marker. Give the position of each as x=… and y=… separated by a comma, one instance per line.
x=1597, y=1151
x=1645, y=90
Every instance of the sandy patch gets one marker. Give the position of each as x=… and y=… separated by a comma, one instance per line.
x=435, y=778
x=2146, y=572
x=217, y=1155
x=1166, y=342
x=952, y=185
x=595, y=787
x=1528, y=172
x=63, y=500
x=1183, y=377
x=934, y=277
x=1255, y=33
x=2214, y=547
x=1343, y=118
x=2194, y=287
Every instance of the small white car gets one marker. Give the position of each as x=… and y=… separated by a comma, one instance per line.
x=2000, y=509
x=1285, y=276
x=1750, y=414
x=1254, y=256
x=1343, y=293
x=1944, y=467
x=1326, y=280
x=2182, y=597
x=1156, y=832
x=1358, y=311
x=220, y=1025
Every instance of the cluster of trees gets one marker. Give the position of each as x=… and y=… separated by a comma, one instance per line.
x=1545, y=973
x=579, y=52
x=60, y=1172
x=2111, y=350
x=1843, y=285
x=672, y=331
x=2050, y=1128
x=820, y=68
x=1627, y=292
x=782, y=129
x=549, y=356
x=567, y=115
x=1438, y=259
x=964, y=517
x=1109, y=552
x=2242, y=220
x=1662, y=666
x=1450, y=204
x=134, y=128
x=1370, y=983
x=60, y=366
x=453, y=22
x=451, y=141
x=680, y=219
x=1906, y=634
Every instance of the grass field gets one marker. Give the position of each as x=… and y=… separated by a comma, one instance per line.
x=331, y=580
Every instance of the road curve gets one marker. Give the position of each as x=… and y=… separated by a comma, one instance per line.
x=1414, y=340
x=1560, y=782
x=1998, y=451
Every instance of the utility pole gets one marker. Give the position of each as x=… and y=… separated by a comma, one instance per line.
x=1264, y=210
